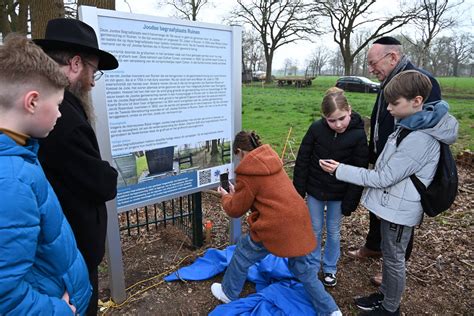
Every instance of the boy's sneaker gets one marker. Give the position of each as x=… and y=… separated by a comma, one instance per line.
x=381, y=311
x=329, y=279
x=216, y=289
x=370, y=302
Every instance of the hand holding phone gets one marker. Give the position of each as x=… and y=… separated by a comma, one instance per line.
x=224, y=178
x=328, y=165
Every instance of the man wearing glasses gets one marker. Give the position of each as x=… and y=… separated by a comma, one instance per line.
x=70, y=154
x=385, y=59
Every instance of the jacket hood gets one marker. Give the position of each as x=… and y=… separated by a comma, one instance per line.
x=446, y=131
x=262, y=161
x=434, y=120
x=8, y=147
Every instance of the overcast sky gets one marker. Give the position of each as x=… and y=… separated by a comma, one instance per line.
x=299, y=51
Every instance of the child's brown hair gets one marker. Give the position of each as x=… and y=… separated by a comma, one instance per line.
x=333, y=100
x=408, y=84
x=247, y=141
x=24, y=65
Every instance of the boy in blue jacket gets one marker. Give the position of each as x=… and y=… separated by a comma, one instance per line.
x=41, y=270
x=390, y=193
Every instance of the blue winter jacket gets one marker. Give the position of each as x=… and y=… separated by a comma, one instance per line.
x=39, y=259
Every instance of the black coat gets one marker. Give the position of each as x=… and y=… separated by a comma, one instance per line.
x=321, y=142
x=82, y=181
x=387, y=122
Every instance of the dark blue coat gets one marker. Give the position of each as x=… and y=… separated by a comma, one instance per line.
x=39, y=259
x=83, y=182
x=321, y=142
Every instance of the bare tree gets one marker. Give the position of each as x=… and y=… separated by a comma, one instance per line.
x=411, y=48
x=439, y=59
x=319, y=58
x=252, y=51
x=337, y=63
x=462, y=50
x=432, y=19
x=278, y=22
x=346, y=16
x=287, y=63
x=359, y=65
x=186, y=9
x=293, y=70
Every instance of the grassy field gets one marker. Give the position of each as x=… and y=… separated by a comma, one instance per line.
x=272, y=111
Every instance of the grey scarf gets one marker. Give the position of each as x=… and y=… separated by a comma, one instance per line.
x=398, y=68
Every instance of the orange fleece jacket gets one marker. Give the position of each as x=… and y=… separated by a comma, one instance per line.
x=280, y=218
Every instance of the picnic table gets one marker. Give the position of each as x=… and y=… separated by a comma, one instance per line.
x=298, y=81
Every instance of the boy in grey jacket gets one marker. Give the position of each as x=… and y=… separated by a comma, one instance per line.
x=390, y=193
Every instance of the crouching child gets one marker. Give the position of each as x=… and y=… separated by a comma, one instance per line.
x=279, y=223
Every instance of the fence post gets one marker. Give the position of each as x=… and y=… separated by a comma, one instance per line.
x=197, y=220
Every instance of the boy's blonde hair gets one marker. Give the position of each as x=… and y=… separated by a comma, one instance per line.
x=24, y=66
x=333, y=100
x=408, y=84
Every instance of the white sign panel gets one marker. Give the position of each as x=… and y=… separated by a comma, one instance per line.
x=170, y=106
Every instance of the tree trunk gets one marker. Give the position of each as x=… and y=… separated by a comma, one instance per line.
x=22, y=21
x=5, y=27
x=347, y=66
x=268, y=76
x=455, y=68
x=214, y=151
x=41, y=12
x=102, y=4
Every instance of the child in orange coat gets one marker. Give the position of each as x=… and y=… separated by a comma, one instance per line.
x=280, y=223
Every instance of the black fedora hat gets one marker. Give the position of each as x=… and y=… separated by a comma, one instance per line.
x=71, y=34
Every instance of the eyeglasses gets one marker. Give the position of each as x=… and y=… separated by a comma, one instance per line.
x=97, y=73
x=373, y=64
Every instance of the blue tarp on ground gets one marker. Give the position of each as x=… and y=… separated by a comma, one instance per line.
x=277, y=292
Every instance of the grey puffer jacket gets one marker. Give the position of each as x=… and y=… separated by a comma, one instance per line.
x=389, y=192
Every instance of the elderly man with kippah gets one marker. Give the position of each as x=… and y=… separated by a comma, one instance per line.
x=385, y=59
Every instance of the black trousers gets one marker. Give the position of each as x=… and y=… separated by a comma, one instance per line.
x=94, y=280
x=374, y=236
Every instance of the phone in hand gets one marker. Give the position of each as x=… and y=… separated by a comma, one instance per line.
x=224, y=178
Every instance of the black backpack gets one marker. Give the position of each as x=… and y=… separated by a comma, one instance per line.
x=440, y=194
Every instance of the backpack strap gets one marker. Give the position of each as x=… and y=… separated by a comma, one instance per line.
x=420, y=187
x=401, y=136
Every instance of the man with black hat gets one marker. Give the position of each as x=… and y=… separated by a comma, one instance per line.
x=385, y=59
x=70, y=154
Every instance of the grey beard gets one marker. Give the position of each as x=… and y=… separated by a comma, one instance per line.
x=84, y=97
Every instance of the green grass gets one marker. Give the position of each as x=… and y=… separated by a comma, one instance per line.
x=141, y=165
x=271, y=110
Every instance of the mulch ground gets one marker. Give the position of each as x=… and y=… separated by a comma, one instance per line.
x=439, y=273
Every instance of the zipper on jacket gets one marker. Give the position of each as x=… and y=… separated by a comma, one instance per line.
x=335, y=135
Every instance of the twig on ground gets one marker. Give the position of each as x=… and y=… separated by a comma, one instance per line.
x=176, y=254
x=417, y=278
x=466, y=263
x=428, y=266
